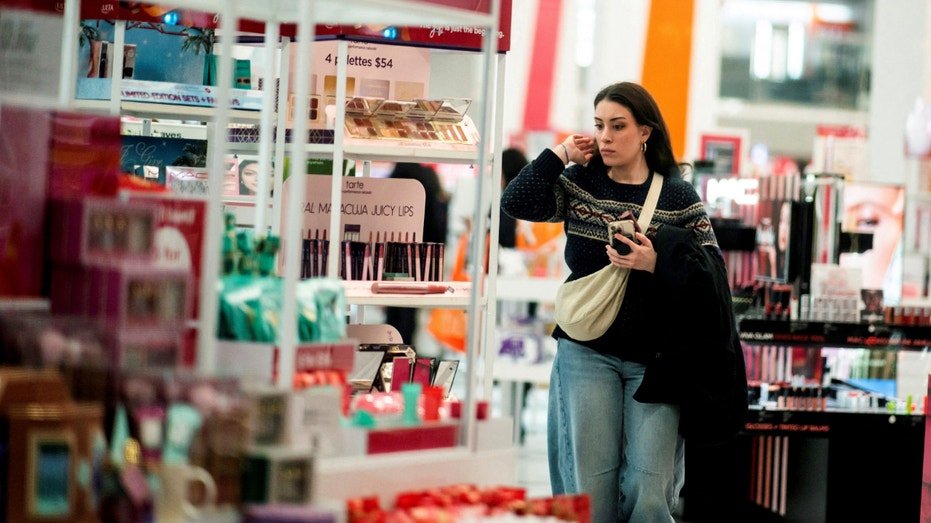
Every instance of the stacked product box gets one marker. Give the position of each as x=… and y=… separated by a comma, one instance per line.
x=102, y=250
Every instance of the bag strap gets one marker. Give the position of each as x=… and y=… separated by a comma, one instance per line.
x=649, y=205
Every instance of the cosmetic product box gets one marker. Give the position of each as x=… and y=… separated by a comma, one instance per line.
x=308, y=419
x=49, y=443
x=136, y=296
x=277, y=475
x=101, y=231
x=24, y=385
x=270, y=415
x=434, y=435
x=128, y=296
x=178, y=232
x=84, y=154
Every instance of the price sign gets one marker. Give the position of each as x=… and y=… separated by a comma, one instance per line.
x=381, y=71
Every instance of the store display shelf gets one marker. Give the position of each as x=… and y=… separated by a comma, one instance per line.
x=411, y=152
x=391, y=151
x=457, y=297
x=162, y=129
x=831, y=422
x=153, y=110
x=818, y=334
x=386, y=475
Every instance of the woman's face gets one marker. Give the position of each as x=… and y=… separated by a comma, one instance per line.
x=250, y=177
x=617, y=134
x=877, y=210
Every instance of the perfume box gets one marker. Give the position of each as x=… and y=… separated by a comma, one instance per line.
x=101, y=231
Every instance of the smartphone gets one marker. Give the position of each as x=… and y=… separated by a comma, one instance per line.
x=625, y=227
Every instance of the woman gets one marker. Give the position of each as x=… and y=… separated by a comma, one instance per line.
x=436, y=210
x=627, y=455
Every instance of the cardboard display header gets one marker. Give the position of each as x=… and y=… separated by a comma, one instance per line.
x=453, y=37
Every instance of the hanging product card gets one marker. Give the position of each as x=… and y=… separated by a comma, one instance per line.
x=30, y=53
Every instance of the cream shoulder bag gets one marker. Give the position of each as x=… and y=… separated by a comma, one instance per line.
x=586, y=307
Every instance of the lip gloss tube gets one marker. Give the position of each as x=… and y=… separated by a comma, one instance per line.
x=387, y=287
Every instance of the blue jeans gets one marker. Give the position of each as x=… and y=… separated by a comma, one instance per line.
x=628, y=456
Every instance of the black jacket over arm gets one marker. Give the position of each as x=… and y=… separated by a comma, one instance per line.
x=699, y=363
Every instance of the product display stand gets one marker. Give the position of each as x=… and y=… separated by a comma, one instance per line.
x=336, y=479
x=804, y=459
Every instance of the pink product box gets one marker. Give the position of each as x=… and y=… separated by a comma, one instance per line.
x=82, y=129
x=102, y=231
x=141, y=296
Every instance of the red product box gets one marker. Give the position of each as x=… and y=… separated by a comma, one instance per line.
x=179, y=233
x=101, y=231
x=432, y=436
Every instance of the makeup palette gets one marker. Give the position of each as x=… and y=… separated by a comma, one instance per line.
x=420, y=120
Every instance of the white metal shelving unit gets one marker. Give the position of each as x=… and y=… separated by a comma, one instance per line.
x=338, y=478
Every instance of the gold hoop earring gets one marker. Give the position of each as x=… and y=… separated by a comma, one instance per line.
x=643, y=147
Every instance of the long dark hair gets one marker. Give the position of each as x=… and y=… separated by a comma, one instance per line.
x=645, y=111
x=436, y=203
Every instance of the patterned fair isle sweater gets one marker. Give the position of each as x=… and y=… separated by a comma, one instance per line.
x=585, y=199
